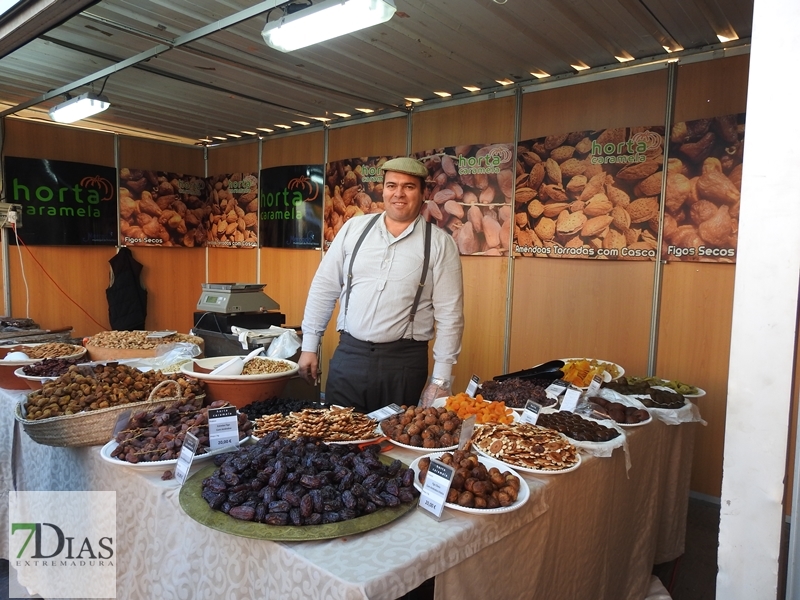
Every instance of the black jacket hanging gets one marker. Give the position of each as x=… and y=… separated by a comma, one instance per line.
x=127, y=298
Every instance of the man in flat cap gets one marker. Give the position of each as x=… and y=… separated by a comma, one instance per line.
x=398, y=282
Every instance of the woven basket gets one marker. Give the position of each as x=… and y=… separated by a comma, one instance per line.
x=89, y=428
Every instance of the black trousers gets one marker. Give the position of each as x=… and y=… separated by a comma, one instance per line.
x=369, y=376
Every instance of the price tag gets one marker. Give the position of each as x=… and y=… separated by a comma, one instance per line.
x=595, y=385
x=223, y=428
x=531, y=412
x=186, y=456
x=557, y=387
x=437, y=485
x=472, y=386
x=122, y=423
x=570, y=401
x=157, y=335
x=385, y=412
x=467, y=429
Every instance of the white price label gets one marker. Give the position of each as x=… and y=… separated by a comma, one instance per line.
x=570, y=401
x=185, y=458
x=557, y=387
x=223, y=427
x=467, y=429
x=594, y=385
x=531, y=413
x=437, y=485
x=472, y=386
x=385, y=412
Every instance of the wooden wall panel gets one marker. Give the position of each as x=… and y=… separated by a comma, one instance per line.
x=81, y=273
x=571, y=308
x=141, y=153
x=694, y=346
x=697, y=299
x=379, y=138
x=239, y=158
x=487, y=122
x=620, y=102
x=57, y=142
x=288, y=274
x=308, y=148
x=232, y=265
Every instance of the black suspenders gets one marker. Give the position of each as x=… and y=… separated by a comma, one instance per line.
x=425, y=263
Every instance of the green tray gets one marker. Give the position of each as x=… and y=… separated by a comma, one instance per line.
x=198, y=509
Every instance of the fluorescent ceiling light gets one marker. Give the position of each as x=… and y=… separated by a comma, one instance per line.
x=365, y=110
x=221, y=138
x=540, y=74
x=323, y=119
x=249, y=132
x=343, y=115
x=623, y=57
x=325, y=21
x=415, y=100
x=728, y=38
x=78, y=108
x=267, y=129
x=504, y=81
x=283, y=126
x=579, y=66
x=472, y=88
x=443, y=94
x=234, y=135
x=302, y=122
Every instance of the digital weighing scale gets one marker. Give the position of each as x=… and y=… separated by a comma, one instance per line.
x=231, y=298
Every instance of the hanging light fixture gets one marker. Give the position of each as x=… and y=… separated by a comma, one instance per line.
x=319, y=22
x=80, y=107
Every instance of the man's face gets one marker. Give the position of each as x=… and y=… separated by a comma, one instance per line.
x=402, y=196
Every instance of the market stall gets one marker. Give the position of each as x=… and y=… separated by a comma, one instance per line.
x=594, y=532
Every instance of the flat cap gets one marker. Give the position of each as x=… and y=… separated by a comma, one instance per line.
x=407, y=165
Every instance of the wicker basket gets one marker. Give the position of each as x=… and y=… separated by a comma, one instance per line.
x=89, y=428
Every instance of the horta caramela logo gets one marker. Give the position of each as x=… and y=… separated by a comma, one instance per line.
x=102, y=184
x=304, y=184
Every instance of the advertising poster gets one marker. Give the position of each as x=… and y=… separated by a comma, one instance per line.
x=590, y=194
x=353, y=186
x=704, y=180
x=469, y=195
x=158, y=208
x=233, y=210
x=290, y=206
x=63, y=203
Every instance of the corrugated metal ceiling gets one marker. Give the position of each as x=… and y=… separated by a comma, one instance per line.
x=230, y=81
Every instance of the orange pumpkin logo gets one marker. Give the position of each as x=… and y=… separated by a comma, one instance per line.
x=305, y=183
x=101, y=183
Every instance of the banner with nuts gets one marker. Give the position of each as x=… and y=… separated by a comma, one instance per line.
x=233, y=216
x=704, y=180
x=468, y=194
x=290, y=206
x=63, y=203
x=158, y=208
x=590, y=194
x=353, y=186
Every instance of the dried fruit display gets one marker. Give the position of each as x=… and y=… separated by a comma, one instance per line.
x=50, y=367
x=85, y=388
x=159, y=434
x=515, y=392
x=616, y=411
x=282, y=406
x=580, y=371
x=264, y=366
x=468, y=193
x=49, y=350
x=305, y=482
x=473, y=485
x=423, y=427
x=353, y=187
x=485, y=411
x=233, y=210
x=138, y=340
x=589, y=194
x=160, y=208
x=704, y=180
x=576, y=427
x=334, y=424
x=526, y=446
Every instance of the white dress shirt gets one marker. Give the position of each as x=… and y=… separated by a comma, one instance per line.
x=386, y=275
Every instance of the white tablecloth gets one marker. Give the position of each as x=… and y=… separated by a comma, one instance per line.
x=592, y=533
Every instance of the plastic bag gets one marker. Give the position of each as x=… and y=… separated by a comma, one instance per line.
x=285, y=345
x=169, y=357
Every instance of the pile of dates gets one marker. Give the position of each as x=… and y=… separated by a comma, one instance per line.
x=50, y=367
x=305, y=482
x=158, y=434
x=576, y=427
x=276, y=405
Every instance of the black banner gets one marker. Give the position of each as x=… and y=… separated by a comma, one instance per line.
x=290, y=206
x=63, y=203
